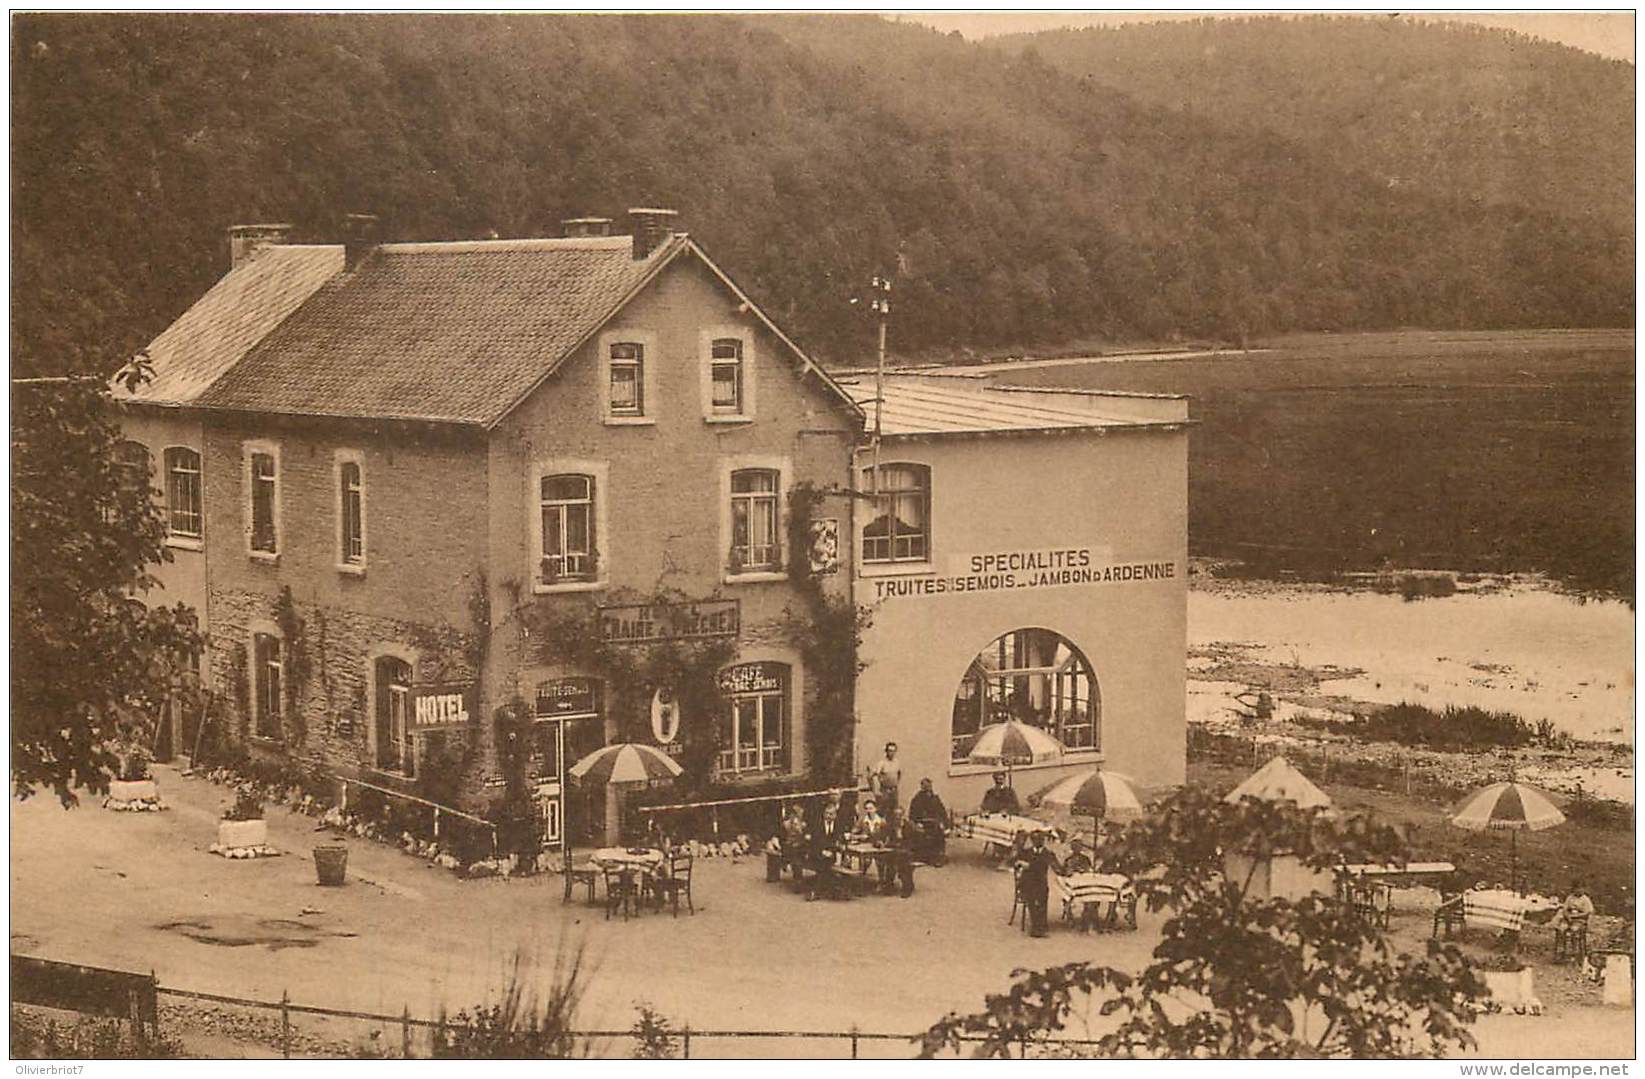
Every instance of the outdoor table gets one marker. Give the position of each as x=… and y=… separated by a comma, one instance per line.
x=1001, y=828
x=1389, y=873
x=1505, y=910
x=866, y=852
x=1090, y=889
x=623, y=858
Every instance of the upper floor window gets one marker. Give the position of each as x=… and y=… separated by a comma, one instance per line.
x=725, y=376
x=899, y=523
x=567, y=504
x=627, y=373
x=184, y=517
x=351, y=516
x=755, y=543
x=263, y=475
x=131, y=467
x=267, y=675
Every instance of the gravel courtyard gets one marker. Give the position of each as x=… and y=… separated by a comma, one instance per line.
x=141, y=892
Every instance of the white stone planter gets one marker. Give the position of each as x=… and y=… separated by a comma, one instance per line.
x=1511, y=988
x=133, y=795
x=243, y=839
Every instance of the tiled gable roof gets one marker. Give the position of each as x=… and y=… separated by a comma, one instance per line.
x=240, y=310
x=444, y=332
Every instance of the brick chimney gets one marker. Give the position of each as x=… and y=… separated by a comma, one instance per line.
x=361, y=235
x=651, y=229
x=582, y=227
x=246, y=240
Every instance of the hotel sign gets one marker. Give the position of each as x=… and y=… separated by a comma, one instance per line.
x=1009, y=571
x=442, y=707
x=641, y=623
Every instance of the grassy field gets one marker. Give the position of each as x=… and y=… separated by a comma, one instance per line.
x=1492, y=452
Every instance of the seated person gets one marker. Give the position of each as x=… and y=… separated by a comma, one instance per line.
x=1573, y=913
x=929, y=820
x=794, y=841
x=1000, y=798
x=870, y=825
x=825, y=834
x=1078, y=860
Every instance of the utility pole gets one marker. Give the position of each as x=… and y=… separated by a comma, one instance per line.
x=881, y=306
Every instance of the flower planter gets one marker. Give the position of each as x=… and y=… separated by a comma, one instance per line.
x=1510, y=988
x=142, y=795
x=243, y=839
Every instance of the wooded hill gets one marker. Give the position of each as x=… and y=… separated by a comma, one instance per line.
x=1018, y=202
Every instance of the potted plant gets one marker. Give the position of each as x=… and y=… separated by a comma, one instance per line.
x=242, y=827
x=1512, y=981
x=133, y=787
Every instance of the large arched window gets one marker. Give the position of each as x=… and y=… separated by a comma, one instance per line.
x=1034, y=676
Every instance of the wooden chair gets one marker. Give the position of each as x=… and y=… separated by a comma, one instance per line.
x=1371, y=903
x=1571, y=939
x=587, y=874
x=1448, y=914
x=1019, y=902
x=677, y=882
x=622, y=888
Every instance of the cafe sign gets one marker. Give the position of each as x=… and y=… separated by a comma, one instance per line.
x=752, y=678
x=641, y=623
x=442, y=707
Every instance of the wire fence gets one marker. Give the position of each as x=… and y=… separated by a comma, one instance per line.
x=290, y=1029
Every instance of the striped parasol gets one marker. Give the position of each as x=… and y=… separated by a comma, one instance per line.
x=1510, y=807
x=1014, y=742
x=1094, y=793
x=1279, y=781
x=625, y=762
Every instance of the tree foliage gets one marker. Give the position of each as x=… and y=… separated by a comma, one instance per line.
x=90, y=663
x=1235, y=976
x=1015, y=203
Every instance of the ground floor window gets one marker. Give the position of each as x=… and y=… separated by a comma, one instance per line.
x=754, y=733
x=1034, y=676
x=267, y=675
x=393, y=677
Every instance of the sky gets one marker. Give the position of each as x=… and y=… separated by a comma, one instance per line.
x=1608, y=33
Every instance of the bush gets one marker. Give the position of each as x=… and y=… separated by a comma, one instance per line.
x=1470, y=727
x=247, y=806
x=518, y=1027
x=34, y=1037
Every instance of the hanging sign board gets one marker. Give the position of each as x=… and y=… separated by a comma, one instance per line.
x=825, y=545
x=665, y=715
x=643, y=622
x=567, y=696
x=442, y=707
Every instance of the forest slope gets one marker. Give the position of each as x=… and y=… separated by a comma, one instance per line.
x=1015, y=202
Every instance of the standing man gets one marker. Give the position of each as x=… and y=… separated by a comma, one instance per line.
x=1037, y=862
x=884, y=777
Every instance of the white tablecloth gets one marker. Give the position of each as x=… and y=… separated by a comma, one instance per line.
x=1001, y=828
x=1502, y=909
x=1093, y=887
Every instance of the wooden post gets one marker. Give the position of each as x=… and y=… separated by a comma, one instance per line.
x=405, y=1033
x=436, y=824
x=285, y=1023
x=685, y=1043
x=853, y=1043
